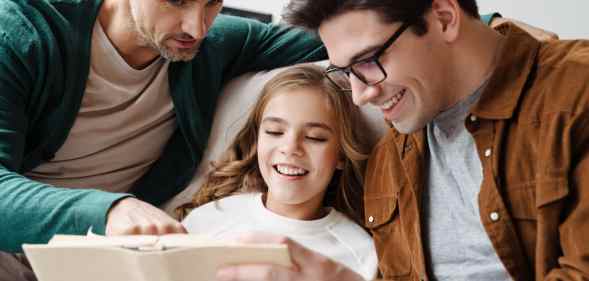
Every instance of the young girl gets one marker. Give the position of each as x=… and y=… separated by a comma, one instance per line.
x=295, y=169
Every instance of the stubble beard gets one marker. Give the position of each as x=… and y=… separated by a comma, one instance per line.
x=147, y=39
x=167, y=52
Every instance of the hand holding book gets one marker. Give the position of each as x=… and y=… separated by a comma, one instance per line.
x=132, y=216
x=307, y=265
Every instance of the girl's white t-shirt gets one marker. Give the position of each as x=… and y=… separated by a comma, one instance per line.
x=334, y=235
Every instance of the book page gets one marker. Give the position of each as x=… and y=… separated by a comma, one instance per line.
x=126, y=241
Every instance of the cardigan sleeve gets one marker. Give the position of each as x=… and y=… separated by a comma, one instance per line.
x=249, y=45
x=30, y=211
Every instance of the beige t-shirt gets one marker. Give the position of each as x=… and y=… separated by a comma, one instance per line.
x=125, y=120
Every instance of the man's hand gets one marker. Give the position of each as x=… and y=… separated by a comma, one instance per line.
x=538, y=33
x=308, y=265
x=132, y=216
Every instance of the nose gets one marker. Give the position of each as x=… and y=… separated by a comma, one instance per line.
x=362, y=93
x=194, y=22
x=291, y=146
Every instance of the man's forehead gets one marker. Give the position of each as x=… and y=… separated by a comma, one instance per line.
x=351, y=35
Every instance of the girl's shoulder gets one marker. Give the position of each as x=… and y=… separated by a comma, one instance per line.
x=230, y=209
x=348, y=230
x=357, y=240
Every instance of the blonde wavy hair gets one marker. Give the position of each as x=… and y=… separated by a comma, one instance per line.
x=237, y=171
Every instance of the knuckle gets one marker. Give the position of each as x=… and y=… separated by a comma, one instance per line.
x=167, y=228
x=148, y=229
x=126, y=230
x=171, y=227
x=132, y=229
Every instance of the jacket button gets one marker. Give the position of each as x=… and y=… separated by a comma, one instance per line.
x=494, y=216
x=488, y=152
x=371, y=219
x=473, y=118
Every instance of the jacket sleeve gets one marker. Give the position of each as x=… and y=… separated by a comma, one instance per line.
x=249, y=45
x=32, y=212
x=574, y=227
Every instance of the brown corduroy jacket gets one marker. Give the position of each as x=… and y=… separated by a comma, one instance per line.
x=531, y=129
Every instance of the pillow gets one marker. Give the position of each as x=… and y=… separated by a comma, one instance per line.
x=233, y=107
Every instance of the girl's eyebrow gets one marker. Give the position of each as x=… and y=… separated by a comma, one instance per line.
x=318, y=125
x=307, y=124
x=274, y=120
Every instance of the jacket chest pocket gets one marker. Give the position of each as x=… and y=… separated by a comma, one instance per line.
x=383, y=220
x=527, y=201
x=536, y=209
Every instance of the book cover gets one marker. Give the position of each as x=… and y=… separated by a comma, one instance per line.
x=173, y=257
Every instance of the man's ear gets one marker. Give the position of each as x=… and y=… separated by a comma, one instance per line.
x=446, y=16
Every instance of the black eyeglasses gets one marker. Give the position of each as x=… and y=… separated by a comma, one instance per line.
x=368, y=70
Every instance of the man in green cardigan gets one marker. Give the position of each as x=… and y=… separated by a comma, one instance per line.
x=106, y=107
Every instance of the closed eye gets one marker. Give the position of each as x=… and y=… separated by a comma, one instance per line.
x=316, y=139
x=273, y=133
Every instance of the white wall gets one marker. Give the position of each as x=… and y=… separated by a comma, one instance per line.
x=273, y=7
x=568, y=18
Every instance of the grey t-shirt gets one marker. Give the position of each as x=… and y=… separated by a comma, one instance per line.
x=457, y=244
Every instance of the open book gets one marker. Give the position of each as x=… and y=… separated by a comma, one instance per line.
x=172, y=257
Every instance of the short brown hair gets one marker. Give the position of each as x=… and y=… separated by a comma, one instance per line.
x=311, y=13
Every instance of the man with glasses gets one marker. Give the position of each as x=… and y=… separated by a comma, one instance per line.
x=483, y=175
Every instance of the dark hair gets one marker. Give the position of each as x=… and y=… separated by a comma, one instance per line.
x=311, y=13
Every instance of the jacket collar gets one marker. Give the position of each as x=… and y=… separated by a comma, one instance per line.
x=508, y=81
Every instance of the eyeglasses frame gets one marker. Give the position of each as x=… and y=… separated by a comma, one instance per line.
x=373, y=59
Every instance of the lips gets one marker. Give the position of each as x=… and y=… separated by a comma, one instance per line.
x=185, y=44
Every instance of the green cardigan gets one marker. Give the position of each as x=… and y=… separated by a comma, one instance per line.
x=44, y=65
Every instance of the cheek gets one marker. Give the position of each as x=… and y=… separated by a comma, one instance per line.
x=326, y=159
x=263, y=165
x=263, y=152
x=168, y=24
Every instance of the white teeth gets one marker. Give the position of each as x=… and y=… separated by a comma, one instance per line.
x=395, y=99
x=388, y=104
x=392, y=101
x=290, y=171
